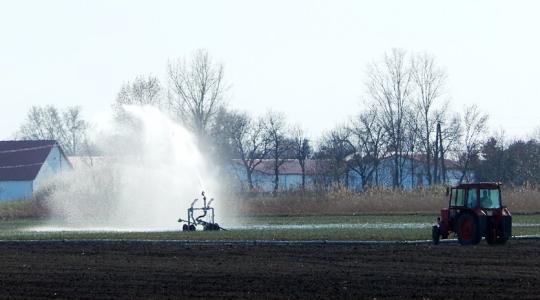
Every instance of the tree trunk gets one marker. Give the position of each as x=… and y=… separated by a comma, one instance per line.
x=412, y=173
x=249, y=178
x=464, y=171
x=377, y=174
x=428, y=156
x=436, y=158
x=303, y=167
x=347, y=178
x=276, y=178
x=443, y=167
x=396, y=170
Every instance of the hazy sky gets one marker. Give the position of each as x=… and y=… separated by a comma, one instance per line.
x=305, y=58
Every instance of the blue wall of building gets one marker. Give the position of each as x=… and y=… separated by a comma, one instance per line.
x=13, y=190
x=54, y=164
x=384, y=177
x=265, y=182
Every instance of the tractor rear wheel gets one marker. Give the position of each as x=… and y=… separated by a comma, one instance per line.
x=501, y=240
x=191, y=227
x=496, y=235
x=496, y=239
x=185, y=227
x=491, y=237
x=435, y=234
x=468, y=230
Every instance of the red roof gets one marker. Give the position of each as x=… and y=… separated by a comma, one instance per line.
x=22, y=160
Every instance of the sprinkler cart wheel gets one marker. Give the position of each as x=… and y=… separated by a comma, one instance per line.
x=211, y=227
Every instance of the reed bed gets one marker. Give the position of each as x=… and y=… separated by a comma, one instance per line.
x=341, y=201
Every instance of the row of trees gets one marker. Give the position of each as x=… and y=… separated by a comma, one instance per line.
x=515, y=163
x=252, y=140
x=406, y=115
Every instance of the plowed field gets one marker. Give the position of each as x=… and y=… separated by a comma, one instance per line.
x=173, y=270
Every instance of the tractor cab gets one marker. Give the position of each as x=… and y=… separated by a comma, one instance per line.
x=474, y=211
x=475, y=196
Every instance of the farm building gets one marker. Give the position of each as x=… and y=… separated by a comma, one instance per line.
x=26, y=165
x=324, y=172
x=290, y=174
x=414, y=173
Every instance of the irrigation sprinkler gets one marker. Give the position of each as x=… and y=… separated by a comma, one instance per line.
x=205, y=219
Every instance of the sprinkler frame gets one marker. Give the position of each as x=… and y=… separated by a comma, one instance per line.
x=192, y=222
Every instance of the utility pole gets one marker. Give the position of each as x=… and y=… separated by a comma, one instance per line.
x=443, y=167
x=436, y=157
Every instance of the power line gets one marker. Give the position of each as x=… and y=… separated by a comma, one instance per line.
x=21, y=166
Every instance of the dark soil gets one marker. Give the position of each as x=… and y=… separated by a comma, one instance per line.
x=168, y=270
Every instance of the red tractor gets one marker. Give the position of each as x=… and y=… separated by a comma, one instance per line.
x=474, y=211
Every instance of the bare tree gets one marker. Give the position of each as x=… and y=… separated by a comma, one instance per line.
x=368, y=139
x=336, y=148
x=221, y=145
x=474, y=126
x=389, y=85
x=75, y=131
x=280, y=145
x=196, y=90
x=48, y=123
x=42, y=123
x=412, y=141
x=142, y=91
x=249, y=142
x=302, y=151
x=429, y=82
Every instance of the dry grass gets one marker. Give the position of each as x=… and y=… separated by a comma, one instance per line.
x=376, y=200
x=525, y=198
x=24, y=209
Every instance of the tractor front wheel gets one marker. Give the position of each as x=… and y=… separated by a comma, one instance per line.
x=468, y=230
x=435, y=234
